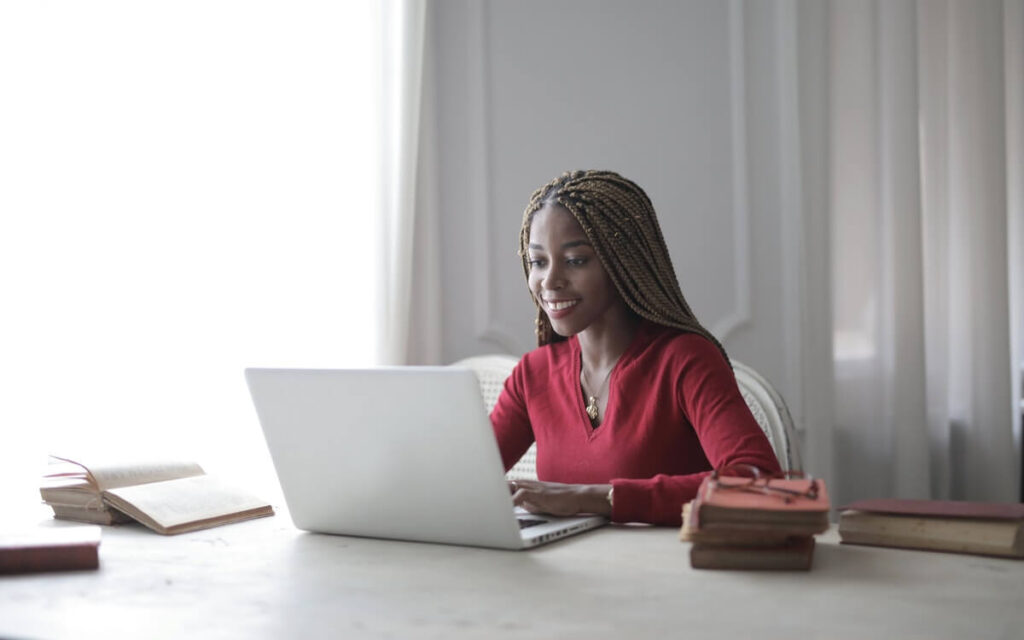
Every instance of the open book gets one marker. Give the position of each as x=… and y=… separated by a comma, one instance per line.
x=168, y=497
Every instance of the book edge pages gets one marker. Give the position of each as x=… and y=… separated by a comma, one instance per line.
x=981, y=530
x=952, y=535
x=92, y=516
x=916, y=545
x=796, y=556
x=753, y=537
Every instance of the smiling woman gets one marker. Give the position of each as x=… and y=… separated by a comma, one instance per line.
x=180, y=184
x=630, y=401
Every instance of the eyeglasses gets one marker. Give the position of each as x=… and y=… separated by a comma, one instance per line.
x=746, y=477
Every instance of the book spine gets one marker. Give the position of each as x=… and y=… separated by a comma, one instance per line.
x=71, y=557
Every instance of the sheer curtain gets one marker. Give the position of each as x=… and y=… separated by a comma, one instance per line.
x=926, y=217
x=401, y=134
x=187, y=189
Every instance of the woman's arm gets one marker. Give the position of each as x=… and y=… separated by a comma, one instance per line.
x=510, y=420
x=707, y=392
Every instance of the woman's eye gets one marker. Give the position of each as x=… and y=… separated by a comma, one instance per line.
x=577, y=262
x=536, y=262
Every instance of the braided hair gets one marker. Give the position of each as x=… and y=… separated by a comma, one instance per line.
x=619, y=221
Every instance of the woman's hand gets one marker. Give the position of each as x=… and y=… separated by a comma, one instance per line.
x=559, y=499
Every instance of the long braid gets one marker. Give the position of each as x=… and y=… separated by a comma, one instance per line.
x=619, y=221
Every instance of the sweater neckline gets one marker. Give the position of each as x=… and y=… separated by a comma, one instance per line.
x=624, y=362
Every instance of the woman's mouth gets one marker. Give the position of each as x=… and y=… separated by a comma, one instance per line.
x=559, y=308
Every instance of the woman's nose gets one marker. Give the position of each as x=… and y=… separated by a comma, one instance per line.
x=554, y=278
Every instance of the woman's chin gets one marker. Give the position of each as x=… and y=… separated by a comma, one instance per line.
x=564, y=329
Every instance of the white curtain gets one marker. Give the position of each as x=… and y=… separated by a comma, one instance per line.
x=925, y=143
x=404, y=67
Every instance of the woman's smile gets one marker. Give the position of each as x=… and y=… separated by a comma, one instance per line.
x=560, y=308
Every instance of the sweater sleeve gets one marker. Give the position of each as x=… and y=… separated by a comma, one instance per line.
x=708, y=395
x=510, y=420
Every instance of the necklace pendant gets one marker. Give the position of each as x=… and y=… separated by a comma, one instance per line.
x=592, y=407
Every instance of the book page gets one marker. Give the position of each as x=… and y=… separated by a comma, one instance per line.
x=114, y=473
x=61, y=473
x=68, y=483
x=177, y=503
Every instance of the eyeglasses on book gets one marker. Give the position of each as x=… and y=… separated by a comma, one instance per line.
x=748, y=478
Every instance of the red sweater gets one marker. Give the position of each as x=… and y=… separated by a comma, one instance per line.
x=674, y=413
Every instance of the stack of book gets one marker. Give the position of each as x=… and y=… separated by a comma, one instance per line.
x=755, y=523
x=980, y=528
x=167, y=496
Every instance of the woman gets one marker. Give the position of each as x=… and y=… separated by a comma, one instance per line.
x=630, y=400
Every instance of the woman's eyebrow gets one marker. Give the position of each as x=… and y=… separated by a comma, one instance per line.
x=567, y=245
x=576, y=243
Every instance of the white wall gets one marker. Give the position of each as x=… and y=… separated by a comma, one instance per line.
x=698, y=102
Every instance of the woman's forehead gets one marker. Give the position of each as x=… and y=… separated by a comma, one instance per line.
x=553, y=218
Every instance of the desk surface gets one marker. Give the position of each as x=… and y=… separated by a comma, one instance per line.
x=265, y=579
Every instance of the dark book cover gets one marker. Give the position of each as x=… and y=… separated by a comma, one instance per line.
x=50, y=549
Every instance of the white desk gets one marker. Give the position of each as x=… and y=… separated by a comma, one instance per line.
x=264, y=579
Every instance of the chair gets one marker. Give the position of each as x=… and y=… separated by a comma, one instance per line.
x=491, y=371
x=770, y=411
x=764, y=402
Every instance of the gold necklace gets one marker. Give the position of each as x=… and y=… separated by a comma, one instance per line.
x=591, y=409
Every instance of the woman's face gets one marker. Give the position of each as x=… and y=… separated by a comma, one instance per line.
x=566, y=276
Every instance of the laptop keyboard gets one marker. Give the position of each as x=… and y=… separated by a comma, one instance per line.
x=525, y=523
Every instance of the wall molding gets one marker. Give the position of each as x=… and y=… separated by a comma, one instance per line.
x=791, y=210
x=740, y=315
x=481, y=180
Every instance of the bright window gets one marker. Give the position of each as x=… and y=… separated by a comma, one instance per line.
x=186, y=189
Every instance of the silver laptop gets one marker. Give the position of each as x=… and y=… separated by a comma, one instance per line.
x=399, y=452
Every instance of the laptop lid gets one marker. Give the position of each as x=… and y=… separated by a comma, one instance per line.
x=396, y=452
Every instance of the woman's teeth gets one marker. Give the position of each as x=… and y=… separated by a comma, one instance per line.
x=558, y=306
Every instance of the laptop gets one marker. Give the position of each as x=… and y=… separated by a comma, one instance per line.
x=405, y=453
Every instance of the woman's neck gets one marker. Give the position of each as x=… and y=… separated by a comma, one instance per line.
x=602, y=345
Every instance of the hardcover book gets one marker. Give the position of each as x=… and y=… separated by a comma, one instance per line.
x=167, y=496
x=50, y=549
x=797, y=554
x=791, y=506
x=980, y=528
x=745, y=537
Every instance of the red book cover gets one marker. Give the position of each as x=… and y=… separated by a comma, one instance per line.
x=803, y=495
x=50, y=549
